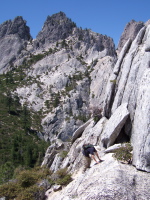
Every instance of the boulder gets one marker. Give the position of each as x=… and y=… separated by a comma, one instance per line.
x=50, y=154
x=80, y=130
x=111, y=149
x=114, y=125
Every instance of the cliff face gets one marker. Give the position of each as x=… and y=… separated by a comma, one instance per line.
x=69, y=73
x=63, y=82
x=13, y=38
x=130, y=32
x=17, y=26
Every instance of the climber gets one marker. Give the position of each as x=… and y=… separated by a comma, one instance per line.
x=89, y=152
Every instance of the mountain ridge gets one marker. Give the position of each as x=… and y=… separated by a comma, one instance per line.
x=82, y=90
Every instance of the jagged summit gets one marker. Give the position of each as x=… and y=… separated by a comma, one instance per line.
x=58, y=32
x=14, y=36
x=59, y=27
x=56, y=27
x=17, y=26
x=59, y=19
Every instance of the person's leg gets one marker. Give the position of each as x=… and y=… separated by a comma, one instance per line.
x=93, y=157
x=97, y=156
x=86, y=163
x=92, y=151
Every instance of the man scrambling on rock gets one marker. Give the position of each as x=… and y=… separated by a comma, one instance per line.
x=89, y=152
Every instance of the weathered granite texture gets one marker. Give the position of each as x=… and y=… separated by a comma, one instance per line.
x=114, y=125
x=107, y=180
x=17, y=26
x=58, y=28
x=141, y=126
x=130, y=32
x=14, y=36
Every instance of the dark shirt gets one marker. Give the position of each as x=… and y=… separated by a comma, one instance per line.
x=88, y=151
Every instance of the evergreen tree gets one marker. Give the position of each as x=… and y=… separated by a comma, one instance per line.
x=26, y=119
x=16, y=102
x=9, y=101
x=28, y=156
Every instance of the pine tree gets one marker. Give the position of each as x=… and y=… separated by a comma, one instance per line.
x=9, y=101
x=26, y=119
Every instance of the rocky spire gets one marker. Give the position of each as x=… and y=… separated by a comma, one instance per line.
x=56, y=27
x=17, y=26
x=130, y=32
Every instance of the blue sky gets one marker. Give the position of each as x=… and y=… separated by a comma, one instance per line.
x=107, y=17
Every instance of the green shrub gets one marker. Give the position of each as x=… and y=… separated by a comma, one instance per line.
x=113, y=81
x=47, y=104
x=9, y=190
x=27, y=178
x=6, y=171
x=97, y=114
x=62, y=177
x=124, y=153
x=65, y=180
x=63, y=154
x=29, y=193
x=36, y=58
x=69, y=88
x=93, y=95
x=61, y=172
x=81, y=117
x=14, y=191
x=24, y=187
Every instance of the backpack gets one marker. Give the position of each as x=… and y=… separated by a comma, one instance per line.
x=86, y=146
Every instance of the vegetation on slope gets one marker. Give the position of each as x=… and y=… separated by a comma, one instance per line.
x=19, y=144
x=28, y=183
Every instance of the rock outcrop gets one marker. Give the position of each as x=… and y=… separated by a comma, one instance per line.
x=70, y=71
x=14, y=36
x=72, y=63
x=141, y=126
x=108, y=180
x=61, y=30
x=133, y=67
x=114, y=125
x=130, y=32
x=119, y=97
x=17, y=26
x=56, y=27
